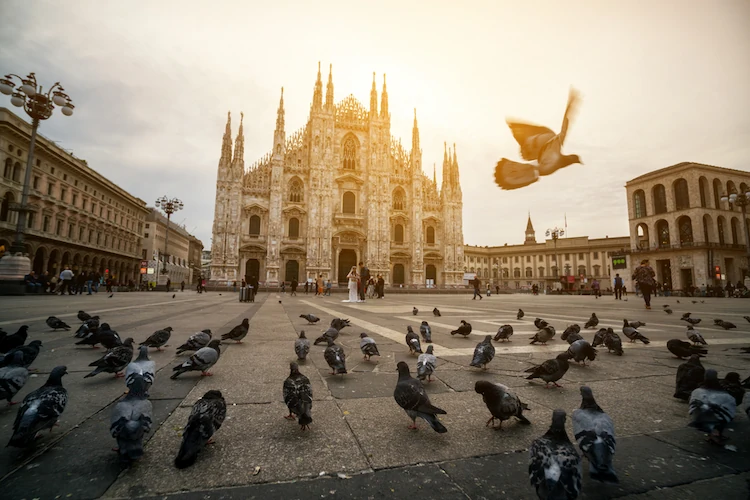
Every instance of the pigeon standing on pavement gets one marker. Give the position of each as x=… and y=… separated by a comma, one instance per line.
x=83, y=316
x=551, y=370
x=483, y=353
x=158, y=339
x=694, y=336
x=436, y=312
x=426, y=332
x=693, y=321
x=689, y=376
x=13, y=377
x=238, y=332
x=581, y=350
x=632, y=333
x=414, y=311
x=501, y=402
x=613, y=342
x=635, y=324
x=196, y=341
x=14, y=340
x=88, y=327
x=332, y=334
x=29, y=352
x=104, y=335
x=595, y=433
x=555, y=466
x=572, y=333
x=711, y=408
x=412, y=340
x=726, y=325
x=683, y=349
x=520, y=314
x=202, y=360
x=205, y=419
x=667, y=309
x=301, y=346
x=368, y=346
x=598, y=337
x=57, y=324
x=592, y=322
x=426, y=364
x=540, y=323
x=131, y=420
x=335, y=357
x=310, y=318
x=543, y=335
x=298, y=396
x=141, y=367
x=115, y=360
x=731, y=384
x=340, y=323
x=40, y=409
x=411, y=396
x=504, y=333
x=463, y=329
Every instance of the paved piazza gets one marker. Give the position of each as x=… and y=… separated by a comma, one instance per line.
x=359, y=445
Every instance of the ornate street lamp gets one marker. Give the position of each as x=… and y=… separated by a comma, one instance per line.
x=556, y=233
x=39, y=106
x=743, y=200
x=169, y=207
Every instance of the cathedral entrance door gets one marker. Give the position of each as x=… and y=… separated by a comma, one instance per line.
x=252, y=268
x=347, y=259
x=431, y=273
x=292, y=270
x=398, y=274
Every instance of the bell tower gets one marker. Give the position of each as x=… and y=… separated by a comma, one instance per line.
x=530, y=234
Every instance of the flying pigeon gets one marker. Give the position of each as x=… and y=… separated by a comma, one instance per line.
x=543, y=335
x=141, y=367
x=301, y=346
x=632, y=333
x=298, y=396
x=412, y=341
x=238, y=332
x=554, y=465
x=158, y=339
x=83, y=316
x=310, y=318
x=540, y=323
x=40, y=409
x=115, y=360
x=131, y=420
x=332, y=333
x=463, y=329
x=504, y=333
x=636, y=324
x=202, y=360
x=13, y=377
x=711, y=408
x=339, y=323
x=426, y=332
x=28, y=352
x=367, y=346
x=592, y=322
x=595, y=433
x=196, y=341
x=415, y=311
x=731, y=384
x=483, y=353
x=14, y=340
x=436, y=312
x=551, y=370
x=540, y=144
x=613, y=342
x=519, y=314
x=689, y=376
x=501, y=402
x=335, y=357
x=426, y=364
x=581, y=350
x=205, y=419
x=683, y=349
x=411, y=396
x=694, y=336
x=57, y=323
x=104, y=335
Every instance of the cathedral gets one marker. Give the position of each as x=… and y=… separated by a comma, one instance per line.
x=339, y=191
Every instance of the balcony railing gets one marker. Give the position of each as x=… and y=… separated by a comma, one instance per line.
x=687, y=245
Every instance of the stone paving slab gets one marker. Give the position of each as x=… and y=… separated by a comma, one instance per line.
x=730, y=487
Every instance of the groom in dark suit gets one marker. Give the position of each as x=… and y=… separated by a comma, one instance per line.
x=364, y=277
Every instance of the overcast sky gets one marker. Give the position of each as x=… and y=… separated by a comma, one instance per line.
x=662, y=82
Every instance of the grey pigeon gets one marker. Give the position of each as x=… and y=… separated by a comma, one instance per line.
x=131, y=420
x=595, y=433
x=598, y=337
x=613, y=342
x=540, y=323
x=520, y=314
x=683, y=349
x=540, y=144
x=412, y=341
x=636, y=324
x=104, y=335
x=580, y=351
x=726, y=325
x=426, y=332
x=115, y=360
x=592, y=322
x=463, y=329
x=711, y=408
x=28, y=352
x=339, y=323
x=693, y=321
x=239, y=332
x=551, y=370
x=158, y=339
x=554, y=465
x=632, y=333
x=570, y=330
x=415, y=311
x=426, y=364
x=205, y=419
x=196, y=341
x=301, y=346
x=501, y=402
x=689, y=377
x=141, y=367
x=40, y=409
x=13, y=377
x=83, y=316
x=310, y=318
x=8, y=342
x=298, y=397
x=504, y=333
x=411, y=396
x=335, y=357
x=368, y=346
x=668, y=310
x=694, y=336
x=332, y=334
x=202, y=360
x=483, y=353
x=731, y=384
x=57, y=323
x=88, y=327
x=436, y=312
x=543, y=335
x=573, y=337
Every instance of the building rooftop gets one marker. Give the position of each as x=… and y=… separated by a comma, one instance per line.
x=684, y=166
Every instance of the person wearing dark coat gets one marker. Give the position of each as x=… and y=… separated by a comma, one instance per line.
x=294, y=285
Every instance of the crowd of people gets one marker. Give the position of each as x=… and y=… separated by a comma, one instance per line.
x=72, y=283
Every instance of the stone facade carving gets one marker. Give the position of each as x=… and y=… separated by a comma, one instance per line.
x=338, y=191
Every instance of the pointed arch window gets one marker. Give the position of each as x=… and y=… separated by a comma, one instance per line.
x=255, y=225
x=293, y=228
x=399, y=233
x=399, y=199
x=430, y=235
x=349, y=155
x=296, y=191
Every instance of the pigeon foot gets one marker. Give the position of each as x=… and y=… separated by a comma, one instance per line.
x=490, y=421
x=116, y=449
x=303, y=427
x=207, y=374
x=211, y=441
x=289, y=417
x=119, y=375
x=412, y=427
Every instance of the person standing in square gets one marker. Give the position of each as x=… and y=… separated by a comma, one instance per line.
x=364, y=278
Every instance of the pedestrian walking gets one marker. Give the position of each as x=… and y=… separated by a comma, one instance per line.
x=618, y=287
x=182, y=285
x=477, y=283
x=596, y=288
x=66, y=277
x=381, y=286
x=169, y=283
x=294, y=286
x=319, y=285
x=307, y=286
x=644, y=275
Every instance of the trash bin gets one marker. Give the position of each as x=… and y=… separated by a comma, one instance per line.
x=243, y=294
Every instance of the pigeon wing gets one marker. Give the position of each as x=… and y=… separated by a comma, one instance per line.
x=574, y=99
x=531, y=138
x=511, y=174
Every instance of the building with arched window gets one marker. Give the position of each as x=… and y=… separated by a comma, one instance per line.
x=689, y=236
x=338, y=191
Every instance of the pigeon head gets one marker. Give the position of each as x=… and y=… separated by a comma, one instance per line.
x=429, y=349
x=168, y=329
x=302, y=334
x=23, y=329
x=425, y=323
x=128, y=342
x=695, y=359
x=408, y=329
x=245, y=322
x=36, y=343
x=587, y=398
x=214, y=344
x=207, y=330
x=482, y=386
x=732, y=377
x=563, y=356
x=403, y=369
x=293, y=368
x=362, y=335
x=137, y=385
x=624, y=322
x=570, y=160
x=558, y=422
x=143, y=352
x=213, y=394
x=105, y=326
x=488, y=339
x=56, y=375
x=463, y=322
x=711, y=380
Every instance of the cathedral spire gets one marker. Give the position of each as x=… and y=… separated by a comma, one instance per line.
x=317, y=104
x=434, y=174
x=446, y=168
x=280, y=113
x=384, y=102
x=279, y=136
x=373, y=99
x=226, y=143
x=239, y=147
x=415, y=136
x=329, y=89
x=455, y=166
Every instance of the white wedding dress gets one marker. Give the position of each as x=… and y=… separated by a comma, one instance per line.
x=353, y=291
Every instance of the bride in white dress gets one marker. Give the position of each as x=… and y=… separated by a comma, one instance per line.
x=353, y=284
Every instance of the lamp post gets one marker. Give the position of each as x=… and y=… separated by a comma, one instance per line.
x=39, y=106
x=169, y=207
x=556, y=233
x=743, y=200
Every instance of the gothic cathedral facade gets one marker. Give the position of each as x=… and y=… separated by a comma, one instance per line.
x=339, y=191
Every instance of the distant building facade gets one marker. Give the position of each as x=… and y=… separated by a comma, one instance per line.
x=176, y=261
x=80, y=219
